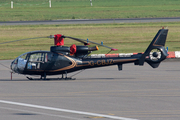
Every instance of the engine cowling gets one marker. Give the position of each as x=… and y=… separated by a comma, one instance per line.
x=80, y=51
x=60, y=49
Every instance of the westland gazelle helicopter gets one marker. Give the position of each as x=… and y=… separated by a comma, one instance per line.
x=63, y=60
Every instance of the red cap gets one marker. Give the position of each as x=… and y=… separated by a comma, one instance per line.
x=73, y=49
x=58, y=40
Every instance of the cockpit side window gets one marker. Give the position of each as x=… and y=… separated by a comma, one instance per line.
x=39, y=60
x=37, y=57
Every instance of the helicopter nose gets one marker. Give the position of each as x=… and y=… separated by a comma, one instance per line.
x=18, y=65
x=14, y=66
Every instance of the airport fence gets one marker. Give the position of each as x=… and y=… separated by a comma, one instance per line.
x=35, y=3
x=12, y=4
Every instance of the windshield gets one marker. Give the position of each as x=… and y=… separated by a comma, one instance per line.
x=19, y=63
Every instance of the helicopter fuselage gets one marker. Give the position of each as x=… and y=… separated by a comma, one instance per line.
x=50, y=63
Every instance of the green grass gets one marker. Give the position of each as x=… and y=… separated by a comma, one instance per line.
x=127, y=38
x=133, y=37
x=80, y=9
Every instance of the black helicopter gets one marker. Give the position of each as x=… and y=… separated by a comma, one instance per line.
x=62, y=59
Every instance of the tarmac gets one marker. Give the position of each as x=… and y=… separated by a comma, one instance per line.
x=135, y=93
x=93, y=21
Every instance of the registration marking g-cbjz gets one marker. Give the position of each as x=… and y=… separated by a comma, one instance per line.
x=101, y=62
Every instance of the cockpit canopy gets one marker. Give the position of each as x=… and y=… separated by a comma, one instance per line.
x=30, y=60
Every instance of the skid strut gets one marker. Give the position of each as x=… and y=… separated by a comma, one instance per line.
x=43, y=77
x=66, y=78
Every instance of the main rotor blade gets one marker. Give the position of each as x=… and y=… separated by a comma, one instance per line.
x=113, y=49
x=87, y=43
x=21, y=40
x=77, y=39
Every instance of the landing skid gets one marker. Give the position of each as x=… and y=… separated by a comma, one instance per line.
x=43, y=77
x=68, y=78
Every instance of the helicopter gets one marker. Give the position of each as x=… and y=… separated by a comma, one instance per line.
x=61, y=60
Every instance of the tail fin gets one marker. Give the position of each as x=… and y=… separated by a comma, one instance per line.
x=155, y=53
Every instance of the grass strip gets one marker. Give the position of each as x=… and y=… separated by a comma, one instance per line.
x=127, y=38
